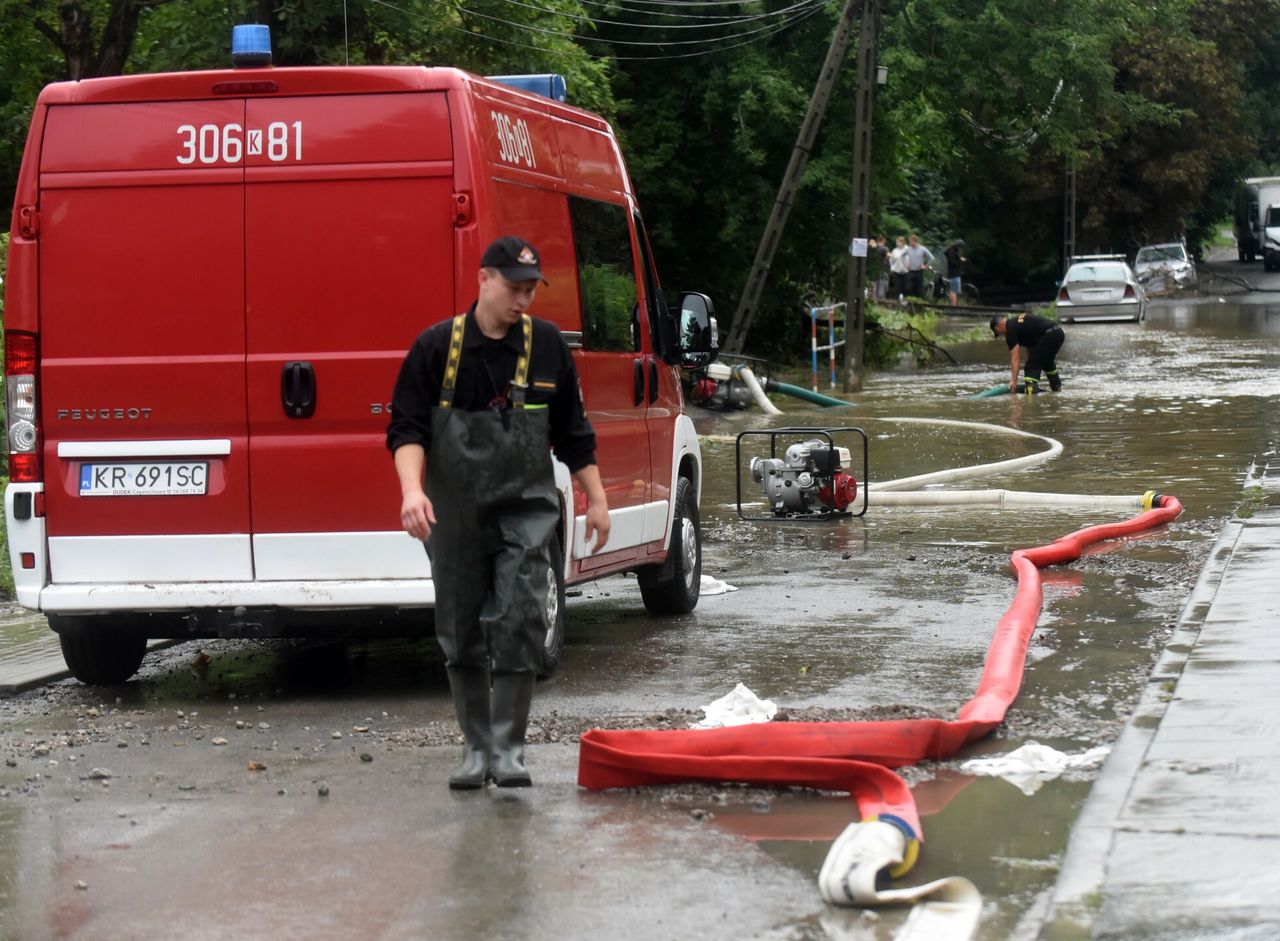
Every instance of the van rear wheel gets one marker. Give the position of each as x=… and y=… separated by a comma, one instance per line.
x=99, y=650
x=673, y=587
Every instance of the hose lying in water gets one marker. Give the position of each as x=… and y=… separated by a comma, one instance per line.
x=808, y=395
x=972, y=470
x=752, y=381
x=857, y=757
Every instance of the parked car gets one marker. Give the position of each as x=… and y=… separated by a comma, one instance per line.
x=1169, y=260
x=1101, y=287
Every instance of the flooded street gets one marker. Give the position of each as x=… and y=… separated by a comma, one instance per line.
x=885, y=616
x=894, y=611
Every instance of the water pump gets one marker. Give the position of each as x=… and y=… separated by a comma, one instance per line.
x=810, y=480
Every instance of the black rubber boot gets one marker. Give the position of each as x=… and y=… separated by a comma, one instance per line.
x=1055, y=381
x=470, y=686
x=512, y=696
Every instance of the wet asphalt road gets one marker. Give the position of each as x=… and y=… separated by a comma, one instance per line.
x=885, y=616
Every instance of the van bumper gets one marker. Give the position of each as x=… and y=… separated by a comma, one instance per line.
x=82, y=598
x=26, y=538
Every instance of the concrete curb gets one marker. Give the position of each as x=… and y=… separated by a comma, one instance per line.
x=1077, y=893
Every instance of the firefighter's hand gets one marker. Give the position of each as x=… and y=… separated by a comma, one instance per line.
x=596, y=522
x=417, y=515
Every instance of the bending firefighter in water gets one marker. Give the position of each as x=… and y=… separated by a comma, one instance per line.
x=1042, y=339
x=480, y=403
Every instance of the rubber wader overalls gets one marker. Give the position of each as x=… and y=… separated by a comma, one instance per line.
x=490, y=477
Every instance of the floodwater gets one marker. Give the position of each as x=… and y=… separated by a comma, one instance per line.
x=892, y=613
x=25, y=641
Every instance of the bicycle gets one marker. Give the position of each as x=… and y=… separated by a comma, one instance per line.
x=938, y=290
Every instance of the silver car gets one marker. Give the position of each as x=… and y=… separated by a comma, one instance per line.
x=1168, y=263
x=1101, y=287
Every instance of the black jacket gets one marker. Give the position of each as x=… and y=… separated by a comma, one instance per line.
x=485, y=371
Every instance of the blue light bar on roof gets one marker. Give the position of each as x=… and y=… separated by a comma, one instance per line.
x=549, y=84
x=251, y=46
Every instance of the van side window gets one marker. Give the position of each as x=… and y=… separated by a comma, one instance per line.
x=606, y=275
x=653, y=294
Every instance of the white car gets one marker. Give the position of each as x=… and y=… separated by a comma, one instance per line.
x=1169, y=260
x=1101, y=287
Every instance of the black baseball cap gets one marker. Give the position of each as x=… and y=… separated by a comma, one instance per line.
x=515, y=258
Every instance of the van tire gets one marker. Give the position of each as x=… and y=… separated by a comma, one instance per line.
x=673, y=587
x=554, y=644
x=99, y=651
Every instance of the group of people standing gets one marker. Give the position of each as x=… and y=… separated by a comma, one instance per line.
x=898, y=272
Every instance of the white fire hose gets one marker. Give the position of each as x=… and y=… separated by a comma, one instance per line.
x=951, y=906
x=757, y=393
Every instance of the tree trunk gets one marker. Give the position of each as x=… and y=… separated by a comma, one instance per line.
x=117, y=37
x=76, y=39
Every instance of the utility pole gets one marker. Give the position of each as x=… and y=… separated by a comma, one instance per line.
x=750, y=300
x=855, y=286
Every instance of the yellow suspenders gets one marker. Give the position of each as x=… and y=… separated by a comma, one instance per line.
x=519, y=385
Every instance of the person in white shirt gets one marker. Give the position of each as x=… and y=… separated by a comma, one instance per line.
x=898, y=269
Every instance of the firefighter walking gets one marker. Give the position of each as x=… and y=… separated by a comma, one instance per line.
x=480, y=403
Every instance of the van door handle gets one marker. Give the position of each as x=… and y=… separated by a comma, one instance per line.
x=298, y=390
x=653, y=380
x=639, y=374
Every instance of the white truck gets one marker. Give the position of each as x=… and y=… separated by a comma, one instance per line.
x=1257, y=220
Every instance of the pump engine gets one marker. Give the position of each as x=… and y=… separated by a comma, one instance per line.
x=809, y=479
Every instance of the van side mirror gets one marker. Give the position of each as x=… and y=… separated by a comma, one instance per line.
x=698, y=342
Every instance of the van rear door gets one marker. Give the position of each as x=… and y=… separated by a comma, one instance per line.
x=348, y=256
x=142, y=343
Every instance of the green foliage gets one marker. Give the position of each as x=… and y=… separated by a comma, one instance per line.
x=4, y=273
x=895, y=332
x=1158, y=105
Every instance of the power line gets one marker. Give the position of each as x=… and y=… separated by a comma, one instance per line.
x=727, y=21
x=706, y=52
x=809, y=5
x=807, y=9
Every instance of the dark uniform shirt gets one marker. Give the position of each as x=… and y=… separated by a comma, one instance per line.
x=1026, y=329
x=485, y=371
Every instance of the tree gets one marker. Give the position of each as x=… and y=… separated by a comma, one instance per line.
x=43, y=41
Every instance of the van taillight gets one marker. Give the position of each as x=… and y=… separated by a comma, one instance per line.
x=1062, y=294
x=20, y=362
x=1128, y=291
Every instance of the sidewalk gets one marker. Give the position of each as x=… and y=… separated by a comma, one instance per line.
x=1180, y=836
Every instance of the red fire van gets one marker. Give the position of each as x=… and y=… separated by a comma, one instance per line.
x=213, y=278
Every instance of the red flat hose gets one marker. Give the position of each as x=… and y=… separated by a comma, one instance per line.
x=855, y=756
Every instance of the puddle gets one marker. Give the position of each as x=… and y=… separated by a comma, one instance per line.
x=26, y=643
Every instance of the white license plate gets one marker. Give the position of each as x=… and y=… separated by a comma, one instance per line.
x=154, y=479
